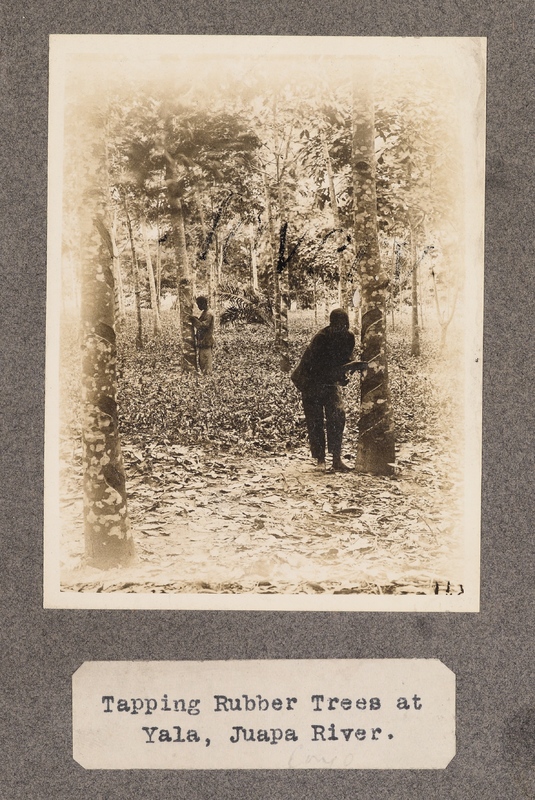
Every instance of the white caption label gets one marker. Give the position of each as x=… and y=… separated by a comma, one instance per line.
x=302, y=714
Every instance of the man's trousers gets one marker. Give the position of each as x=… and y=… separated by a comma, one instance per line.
x=205, y=360
x=324, y=407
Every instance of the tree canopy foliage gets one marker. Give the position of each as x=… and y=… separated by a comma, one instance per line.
x=245, y=150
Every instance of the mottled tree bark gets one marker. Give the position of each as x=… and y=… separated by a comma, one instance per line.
x=273, y=274
x=157, y=324
x=282, y=271
x=392, y=281
x=185, y=297
x=254, y=259
x=218, y=276
x=212, y=282
x=183, y=273
x=210, y=258
x=117, y=276
x=376, y=429
x=135, y=275
x=108, y=538
x=158, y=269
x=326, y=302
x=415, y=339
x=219, y=259
x=342, y=263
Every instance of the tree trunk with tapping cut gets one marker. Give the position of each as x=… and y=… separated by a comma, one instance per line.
x=376, y=428
x=108, y=537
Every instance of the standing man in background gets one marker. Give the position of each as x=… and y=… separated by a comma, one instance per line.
x=204, y=335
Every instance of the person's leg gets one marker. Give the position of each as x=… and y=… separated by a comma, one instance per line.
x=313, y=408
x=205, y=360
x=335, y=416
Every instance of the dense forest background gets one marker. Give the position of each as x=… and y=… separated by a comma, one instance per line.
x=280, y=190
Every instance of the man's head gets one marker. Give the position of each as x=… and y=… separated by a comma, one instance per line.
x=202, y=302
x=339, y=320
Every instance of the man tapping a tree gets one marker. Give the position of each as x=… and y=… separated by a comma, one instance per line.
x=204, y=335
x=319, y=375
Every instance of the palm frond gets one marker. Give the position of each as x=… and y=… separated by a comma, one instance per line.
x=244, y=305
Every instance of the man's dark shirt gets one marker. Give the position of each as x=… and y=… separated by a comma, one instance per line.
x=321, y=363
x=205, y=329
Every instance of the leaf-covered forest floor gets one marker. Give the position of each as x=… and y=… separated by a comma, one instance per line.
x=224, y=498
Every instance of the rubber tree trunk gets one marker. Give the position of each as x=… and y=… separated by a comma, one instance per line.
x=206, y=254
x=211, y=268
x=342, y=263
x=415, y=328
x=108, y=537
x=326, y=302
x=274, y=241
x=212, y=257
x=219, y=259
x=282, y=271
x=392, y=284
x=184, y=284
x=213, y=284
x=376, y=429
x=185, y=296
x=279, y=230
x=218, y=277
x=253, y=256
x=157, y=324
x=158, y=265
x=135, y=275
x=158, y=257
x=117, y=276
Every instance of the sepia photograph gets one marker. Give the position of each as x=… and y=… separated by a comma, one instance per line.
x=264, y=323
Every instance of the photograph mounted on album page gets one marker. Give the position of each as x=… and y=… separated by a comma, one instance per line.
x=264, y=323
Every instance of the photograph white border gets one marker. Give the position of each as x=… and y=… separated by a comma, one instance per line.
x=61, y=48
